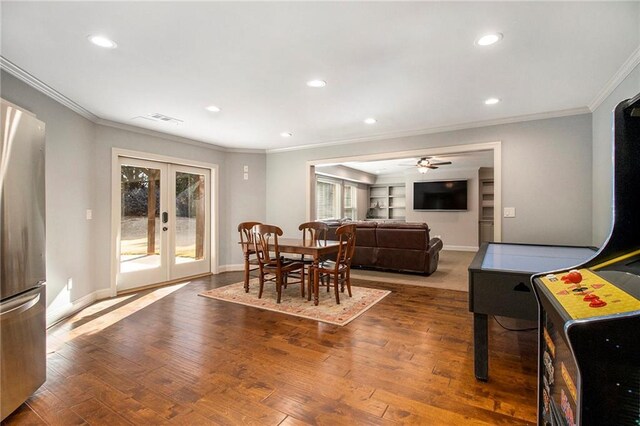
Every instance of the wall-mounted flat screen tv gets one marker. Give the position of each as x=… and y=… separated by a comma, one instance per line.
x=440, y=195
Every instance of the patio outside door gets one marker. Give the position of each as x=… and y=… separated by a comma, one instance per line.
x=164, y=223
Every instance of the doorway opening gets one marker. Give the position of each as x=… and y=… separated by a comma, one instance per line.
x=390, y=202
x=163, y=221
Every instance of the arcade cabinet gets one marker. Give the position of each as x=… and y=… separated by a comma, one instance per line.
x=589, y=317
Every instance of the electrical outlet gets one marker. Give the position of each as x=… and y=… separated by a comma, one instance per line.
x=246, y=169
x=246, y=176
x=89, y=214
x=509, y=212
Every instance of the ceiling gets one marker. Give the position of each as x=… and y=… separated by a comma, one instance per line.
x=469, y=160
x=411, y=65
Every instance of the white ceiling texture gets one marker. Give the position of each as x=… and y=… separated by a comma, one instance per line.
x=413, y=66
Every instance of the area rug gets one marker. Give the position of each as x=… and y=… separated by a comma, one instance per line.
x=293, y=304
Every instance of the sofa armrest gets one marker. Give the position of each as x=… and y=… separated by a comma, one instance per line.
x=433, y=255
x=435, y=245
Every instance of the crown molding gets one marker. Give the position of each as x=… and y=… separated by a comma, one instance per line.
x=174, y=138
x=629, y=65
x=43, y=87
x=157, y=134
x=441, y=129
x=32, y=81
x=49, y=91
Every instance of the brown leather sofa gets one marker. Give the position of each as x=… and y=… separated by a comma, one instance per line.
x=393, y=246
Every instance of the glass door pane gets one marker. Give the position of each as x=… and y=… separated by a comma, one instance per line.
x=190, y=226
x=164, y=228
x=140, y=225
x=190, y=217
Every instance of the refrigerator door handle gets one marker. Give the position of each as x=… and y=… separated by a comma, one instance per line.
x=21, y=304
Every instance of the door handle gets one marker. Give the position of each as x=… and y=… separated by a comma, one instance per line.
x=20, y=305
x=164, y=228
x=165, y=217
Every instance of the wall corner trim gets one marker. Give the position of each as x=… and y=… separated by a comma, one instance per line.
x=39, y=85
x=460, y=248
x=627, y=67
x=58, y=314
x=230, y=268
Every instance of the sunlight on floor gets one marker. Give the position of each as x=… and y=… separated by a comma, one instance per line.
x=67, y=332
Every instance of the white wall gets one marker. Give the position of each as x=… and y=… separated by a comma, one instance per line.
x=546, y=166
x=458, y=230
x=602, y=167
x=78, y=177
x=244, y=200
x=69, y=175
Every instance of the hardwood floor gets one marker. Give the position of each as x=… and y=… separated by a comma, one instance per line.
x=168, y=356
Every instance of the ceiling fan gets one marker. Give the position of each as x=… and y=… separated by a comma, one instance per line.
x=429, y=163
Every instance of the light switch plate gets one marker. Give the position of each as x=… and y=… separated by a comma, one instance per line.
x=89, y=214
x=246, y=176
x=246, y=169
x=509, y=212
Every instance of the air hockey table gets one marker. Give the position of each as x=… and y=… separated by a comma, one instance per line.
x=500, y=284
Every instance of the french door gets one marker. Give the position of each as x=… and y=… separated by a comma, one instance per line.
x=164, y=223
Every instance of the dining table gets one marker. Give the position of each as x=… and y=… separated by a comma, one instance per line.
x=315, y=249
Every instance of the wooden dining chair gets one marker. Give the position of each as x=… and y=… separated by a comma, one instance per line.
x=245, y=229
x=339, y=271
x=274, y=267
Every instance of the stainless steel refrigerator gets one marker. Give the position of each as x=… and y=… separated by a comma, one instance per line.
x=22, y=257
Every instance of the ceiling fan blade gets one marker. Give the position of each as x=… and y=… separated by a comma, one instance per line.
x=431, y=166
x=440, y=163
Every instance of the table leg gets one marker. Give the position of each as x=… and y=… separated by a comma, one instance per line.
x=316, y=278
x=481, y=346
x=246, y=272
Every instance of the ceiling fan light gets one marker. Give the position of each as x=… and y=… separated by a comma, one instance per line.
x=423, y=170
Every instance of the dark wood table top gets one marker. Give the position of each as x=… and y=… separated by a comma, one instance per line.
x=298, y=246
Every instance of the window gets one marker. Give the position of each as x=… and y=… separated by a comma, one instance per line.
x=327, y=199
x=349, y=202
x=335, y=199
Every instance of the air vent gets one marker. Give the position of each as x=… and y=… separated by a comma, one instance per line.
x=160, y=118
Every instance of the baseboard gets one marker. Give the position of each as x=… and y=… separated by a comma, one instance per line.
x=460, y=248
x=231, y=268
x=62, y=312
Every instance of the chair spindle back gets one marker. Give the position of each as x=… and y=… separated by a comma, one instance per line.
x=314, y=232
x=266, y=235
x=347, y=237
x=245, y=229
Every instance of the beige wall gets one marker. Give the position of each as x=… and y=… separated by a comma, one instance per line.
x=546, y=167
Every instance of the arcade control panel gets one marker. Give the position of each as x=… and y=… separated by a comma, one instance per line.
x=583, y=294
x=589, y=366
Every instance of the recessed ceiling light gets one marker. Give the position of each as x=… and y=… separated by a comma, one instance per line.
x=370, y=120
x=212, y=108
x=492, y=101
x=489, y=39
x=316, y=83
x=286, y=134
x=102, y=41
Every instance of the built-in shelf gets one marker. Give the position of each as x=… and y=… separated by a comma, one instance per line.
x=387, y=202
x=486, y=210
